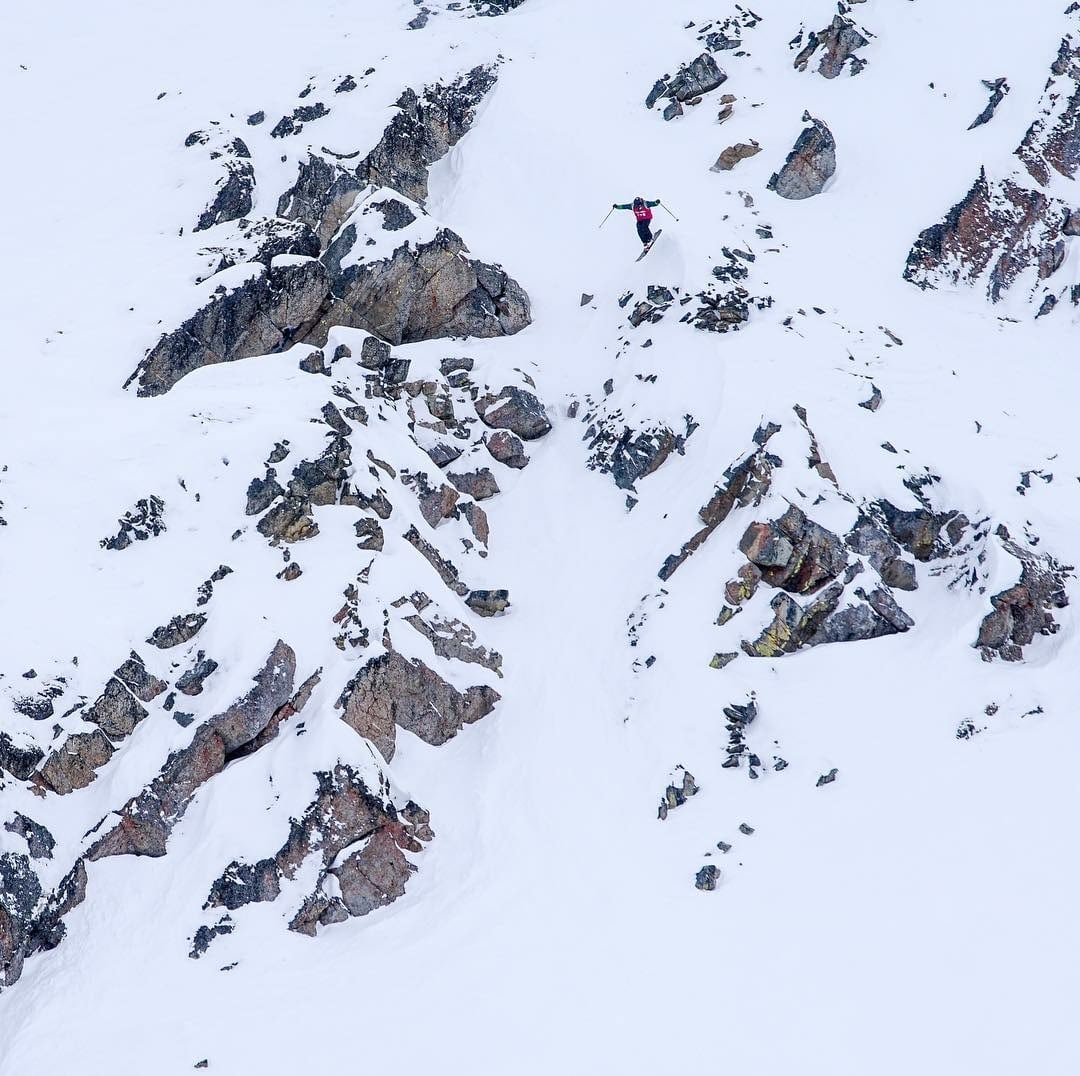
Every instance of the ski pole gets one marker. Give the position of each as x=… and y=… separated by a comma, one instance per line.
x=667, y=211
x=604, y=221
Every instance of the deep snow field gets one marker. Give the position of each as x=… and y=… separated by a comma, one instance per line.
x=915, y=915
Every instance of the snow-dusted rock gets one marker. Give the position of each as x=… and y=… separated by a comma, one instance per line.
x=810, y=164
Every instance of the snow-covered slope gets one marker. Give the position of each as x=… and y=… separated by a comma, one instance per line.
x=435, y=641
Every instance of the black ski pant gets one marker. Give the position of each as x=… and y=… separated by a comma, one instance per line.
x=644, y=231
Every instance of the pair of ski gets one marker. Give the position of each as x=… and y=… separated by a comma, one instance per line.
x=649, y=244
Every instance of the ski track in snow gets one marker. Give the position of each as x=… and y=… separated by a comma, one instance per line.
x=915, y=915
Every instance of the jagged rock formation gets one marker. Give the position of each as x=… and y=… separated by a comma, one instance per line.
x=146, y=821
x=232, y=198
x=425, y=129
x=998, y=88
x=810, y=164
x=30, y=919
x=420, y=293
x=675, y=795
x=144, y=521
x=1011, y=229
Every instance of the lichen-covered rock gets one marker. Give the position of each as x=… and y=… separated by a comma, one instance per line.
x=232, y=197
x=116, y=711
x=676, y=794
x=425, y=292
x=264, y=313
x=809, y=166
x=392, y=691
x=516, y=410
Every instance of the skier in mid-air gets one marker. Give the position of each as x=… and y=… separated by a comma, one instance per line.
x=643, y=215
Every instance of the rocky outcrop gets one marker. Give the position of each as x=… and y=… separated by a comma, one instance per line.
x=39, y=841
x=995, y=233
x=75, y=763
x=420, y=293
x=262, y=240
x=424, y=130
x=145, y=520
x=514, y=409
x=18, y=759
x=345, y=814
x=322, y=197
x=267, y=311
x=1025, y=610
x=678, y=792
x=794, y=553
x=998, y=88
x=810, y=164
x=629, y=454
x=146, y=821
x=839, y=42
x=507, y=449
x=181, y=629
x=731, y=156
x=118, y=709
x=1012, y=229
x=232, y=197
x=31, y=920
x=391, y=691
x=823, y=620
x=745, y=483
x=690, y=82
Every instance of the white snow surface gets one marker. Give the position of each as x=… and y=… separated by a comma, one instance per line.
x=918, y=914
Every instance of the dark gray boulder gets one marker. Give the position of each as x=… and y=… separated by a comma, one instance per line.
x=839, y=42
x=75, y=763
x=426, y=127
x=809, y=165
x=271, y=309
x=343, y=813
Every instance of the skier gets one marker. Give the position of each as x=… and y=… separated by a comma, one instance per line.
x=643, y=215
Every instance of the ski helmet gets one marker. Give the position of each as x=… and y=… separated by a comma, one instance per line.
x=639, y=202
